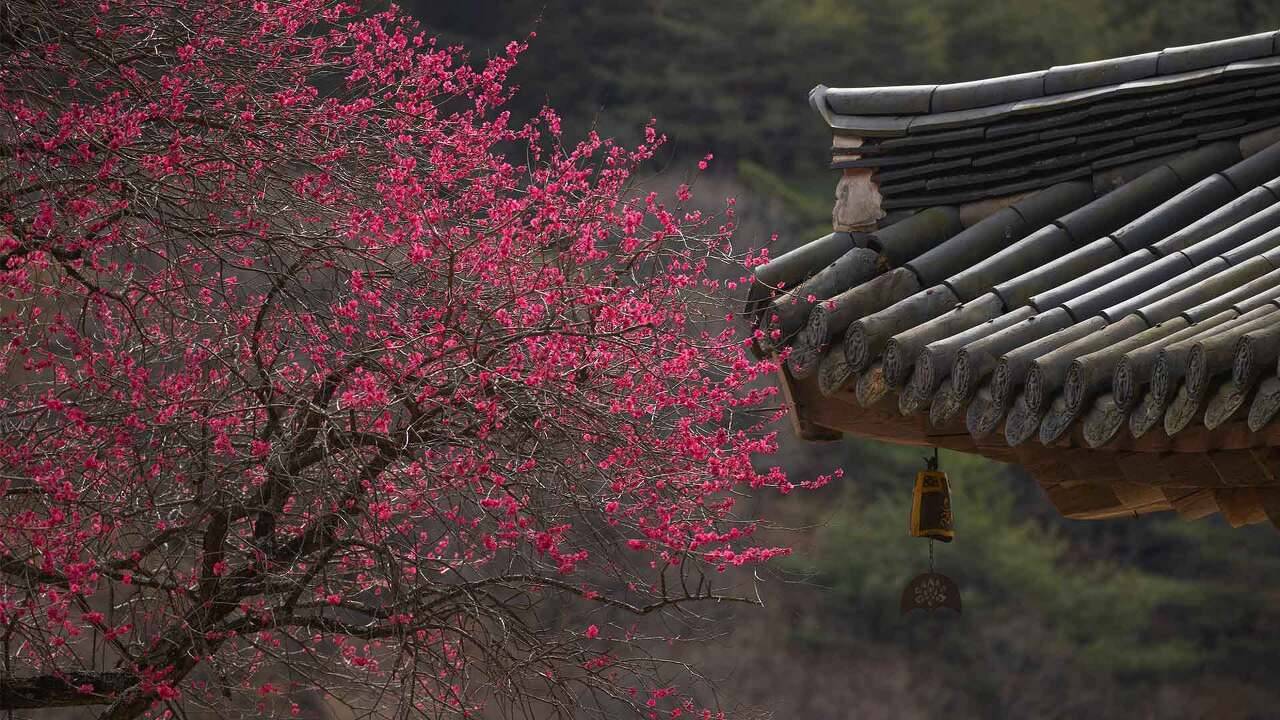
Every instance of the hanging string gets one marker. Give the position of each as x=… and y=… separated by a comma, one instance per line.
x=933, y=465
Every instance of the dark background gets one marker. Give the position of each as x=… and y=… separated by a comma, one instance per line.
x=1147, y=618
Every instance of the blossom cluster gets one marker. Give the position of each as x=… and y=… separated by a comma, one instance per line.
x=321, y=370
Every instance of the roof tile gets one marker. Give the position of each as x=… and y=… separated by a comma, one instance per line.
x=992, y=91
x=1172, y=232
x=1220, y=52
x=896, y=100
x=1066, y=78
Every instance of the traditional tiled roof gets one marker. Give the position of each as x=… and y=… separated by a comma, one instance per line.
x=1088, y=255
x=936, y=144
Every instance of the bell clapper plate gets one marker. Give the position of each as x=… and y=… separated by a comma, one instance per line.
x=931, y=518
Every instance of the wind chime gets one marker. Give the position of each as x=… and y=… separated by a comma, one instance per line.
x=931, y=518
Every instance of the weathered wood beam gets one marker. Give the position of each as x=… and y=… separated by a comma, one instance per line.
x=1269, y=500
x=1192, y=504
x=1240, y=506
x=801, y=421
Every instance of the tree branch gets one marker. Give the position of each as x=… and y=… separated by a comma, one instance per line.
x=71, y=689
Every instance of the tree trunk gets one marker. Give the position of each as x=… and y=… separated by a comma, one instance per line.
x=64, y=689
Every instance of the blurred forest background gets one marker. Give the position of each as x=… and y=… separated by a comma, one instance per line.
x=1150, y=618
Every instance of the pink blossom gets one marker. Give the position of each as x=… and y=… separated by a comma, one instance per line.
x=313, y=341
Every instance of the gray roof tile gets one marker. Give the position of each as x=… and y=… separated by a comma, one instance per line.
x=1103, y=123
x=1176, y=244
x=1168, y=227
x=1239, y=130
x=1037, y=123
x=928, y=140
x=1140, y=154
x=1039, y=148
x=891, y=161
x=992, y=91
x=979, y=178
x=895, y=100
x=952, y=119
x=981, y=149
x=929, y=168
x=1066, y=78
x=1220, y=52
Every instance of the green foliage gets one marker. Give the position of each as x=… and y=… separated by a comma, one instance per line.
x=1037, y=595
x=808, y=207
x=732, y=78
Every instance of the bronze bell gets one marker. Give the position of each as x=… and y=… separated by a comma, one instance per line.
x=931, y=507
